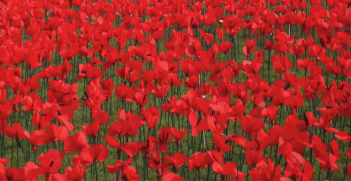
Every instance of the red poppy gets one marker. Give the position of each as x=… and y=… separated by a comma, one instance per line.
x=169, y=176
x=125, y=93
x=75, y=143
x=151, y=116
x=250, y=47
x=15, y=131
x=220, y=143
x=178, y=135
x=281, y=63
x=128, y=172
x=251, y=125
x=53, y=133
x=154, y=161
x=177, y=160
x=92, y=154
x=50, y=162
x=164, y=136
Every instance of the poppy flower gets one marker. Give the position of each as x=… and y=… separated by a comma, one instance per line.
x=151, y=115
x=92, y=154
x=107, y=84
x=192, y=82
x=178, y=135
x=88, y=71
x=328, y=162
x=75, y=143
x=128, y=172
x=125, y=93
x=154, y=161
x=35, y=138
x=220, y=143
x=177, y=160
x=316, y=51
x=343, y=136
x=251, y=125
x=281, y=63
x=208, y=19
x=100, y=116
x=92, y=129
x=15, y=131
x=50, y=162
x=266, y=171
x=53, y=133
x=160, y=91
x=220, y=33
x=227, y=169
x=127, y=124
x=164, y=136
x=250, y=47
x=297, y=51
x=225, y=47
x=169, y=176
x=209, y=38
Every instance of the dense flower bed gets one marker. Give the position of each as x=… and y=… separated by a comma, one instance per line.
x=175, y=90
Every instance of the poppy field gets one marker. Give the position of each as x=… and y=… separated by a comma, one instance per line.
x=175, y=90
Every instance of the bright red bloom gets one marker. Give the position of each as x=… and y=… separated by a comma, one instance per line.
x=91, y=154
x=128, y=172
